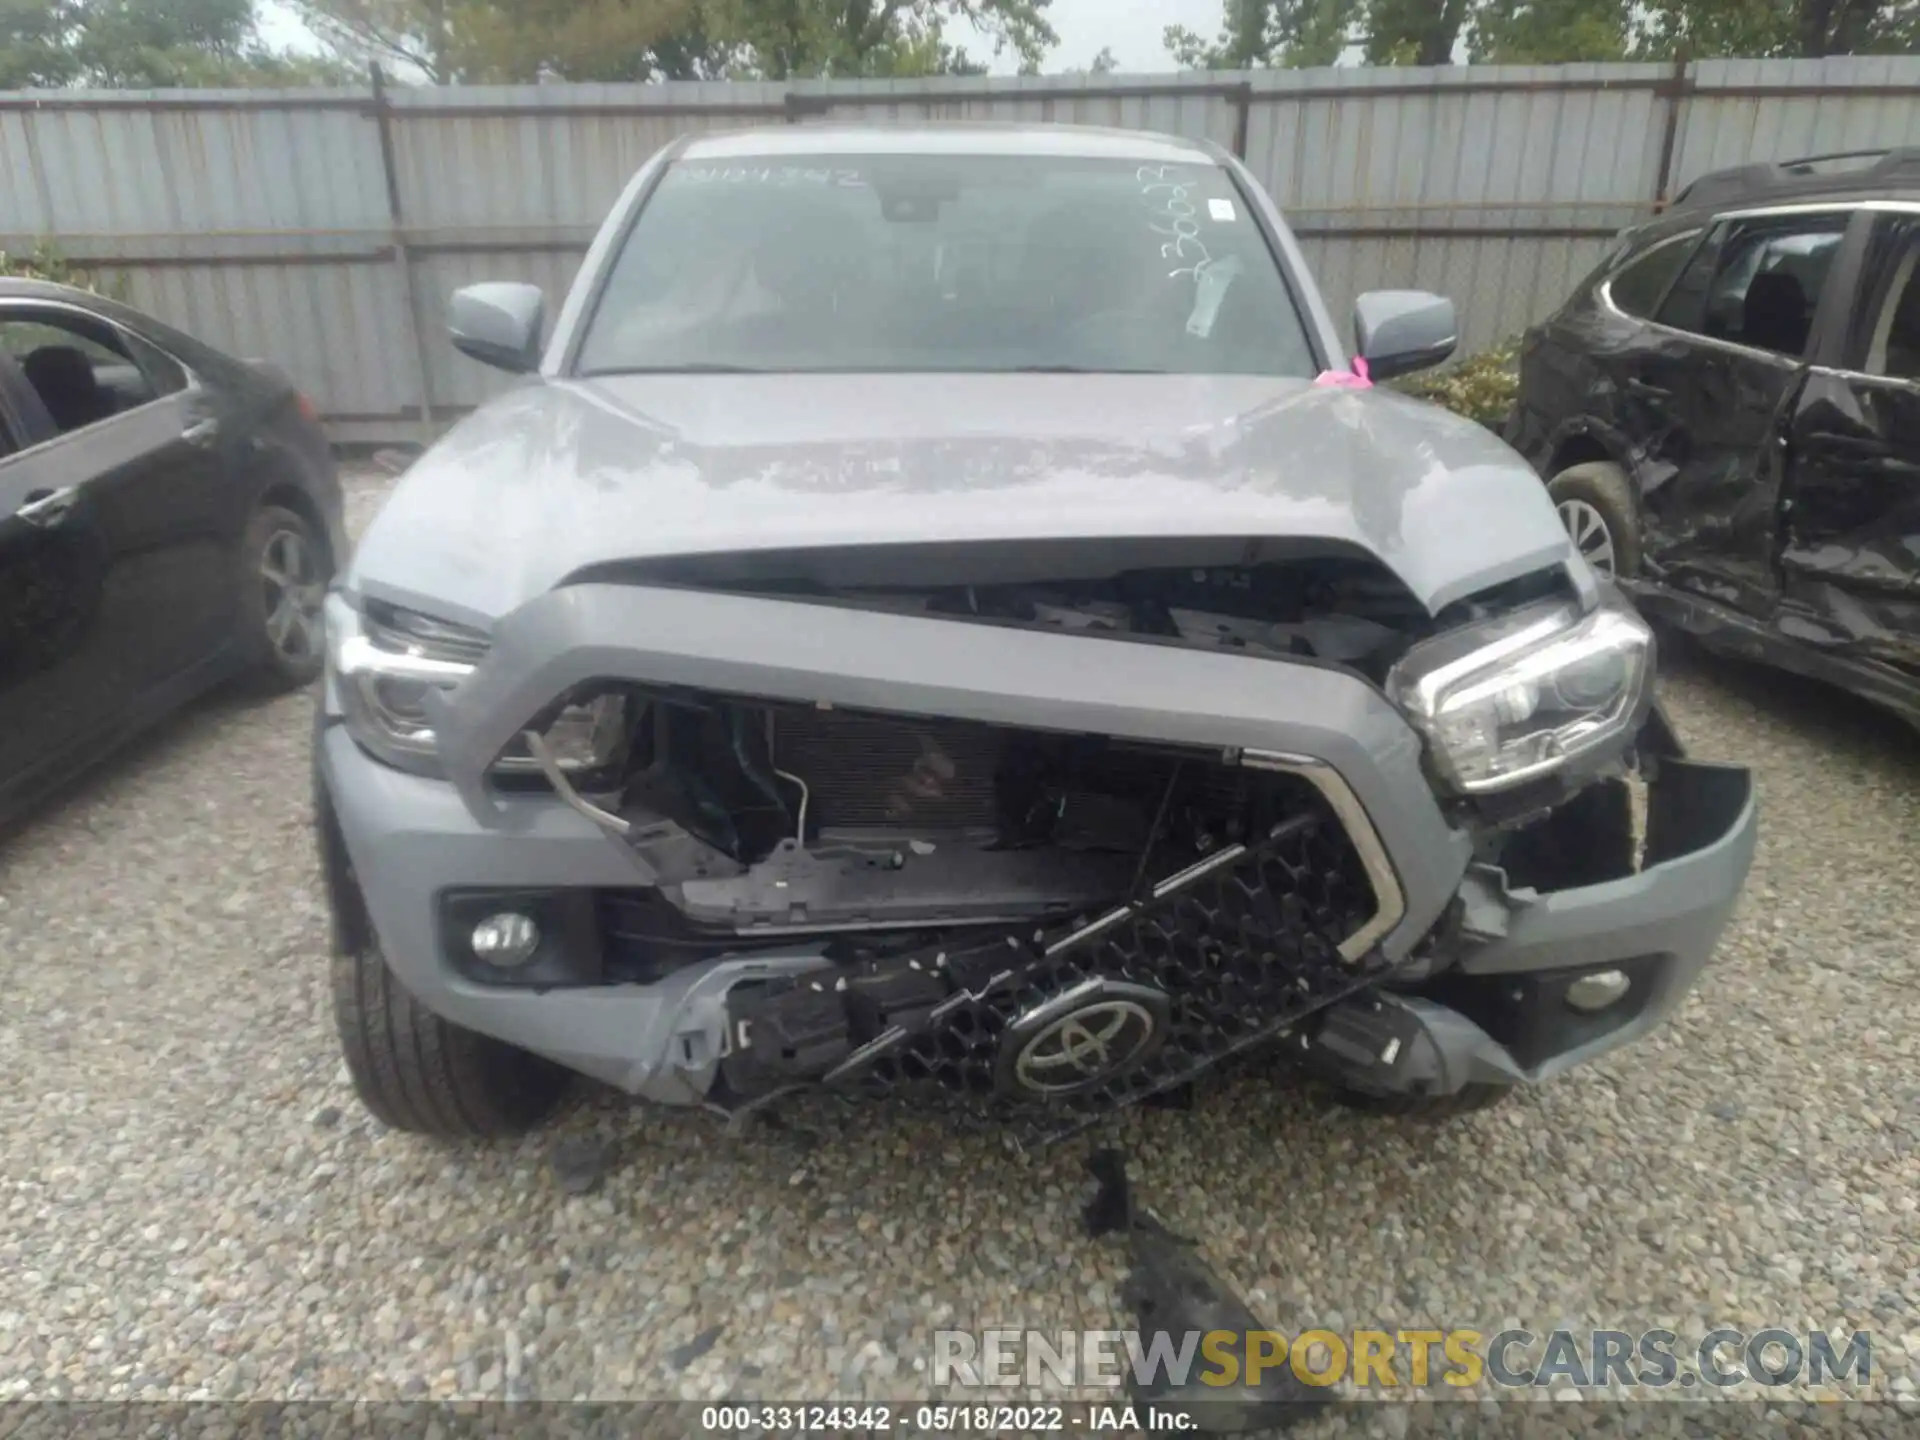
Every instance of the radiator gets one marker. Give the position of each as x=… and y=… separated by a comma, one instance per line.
x=870, y=770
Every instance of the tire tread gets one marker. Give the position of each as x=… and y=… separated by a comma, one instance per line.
x=414, y=1070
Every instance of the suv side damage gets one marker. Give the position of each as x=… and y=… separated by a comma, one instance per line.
x=1726, y=413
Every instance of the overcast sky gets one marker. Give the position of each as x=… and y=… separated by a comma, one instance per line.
x=1130, y=28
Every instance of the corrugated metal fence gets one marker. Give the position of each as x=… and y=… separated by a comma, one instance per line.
x=324, y=229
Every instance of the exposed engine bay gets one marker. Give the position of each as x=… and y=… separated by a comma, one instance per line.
x=1347, y=612
x=770, y=819
x=1024, y=917
x=1048, y=923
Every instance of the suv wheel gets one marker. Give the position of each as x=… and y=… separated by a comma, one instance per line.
x=415, y=1071
x=1596, y=505
x=284, y=572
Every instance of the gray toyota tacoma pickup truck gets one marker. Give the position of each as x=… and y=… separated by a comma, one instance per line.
x=939, y=613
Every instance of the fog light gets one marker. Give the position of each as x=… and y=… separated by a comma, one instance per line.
x=506, y=939
x=1598, y=990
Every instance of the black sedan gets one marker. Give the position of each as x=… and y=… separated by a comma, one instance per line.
x=169, y=519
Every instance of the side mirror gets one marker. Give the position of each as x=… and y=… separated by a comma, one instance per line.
x=1399, y=331
x=498, y=324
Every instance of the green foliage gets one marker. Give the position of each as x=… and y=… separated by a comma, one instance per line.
x=1412, y=32
x=34, y=49
x=46, y=262
x=482, y=41
x=144, y=44
x=1257, y=34
x=1550, y=32
x=794, y=39
x=1779, y=28
x=1543, y=32
x=1480, y=387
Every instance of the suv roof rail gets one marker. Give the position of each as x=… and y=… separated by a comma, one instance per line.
x=1891, y=165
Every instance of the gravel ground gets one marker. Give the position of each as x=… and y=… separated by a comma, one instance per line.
x=192, y=1203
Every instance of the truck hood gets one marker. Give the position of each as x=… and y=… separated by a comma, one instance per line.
x=558, y=476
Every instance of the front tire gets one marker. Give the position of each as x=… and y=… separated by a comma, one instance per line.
x=415, y=1071
x=284, y=571
x=1595, y=504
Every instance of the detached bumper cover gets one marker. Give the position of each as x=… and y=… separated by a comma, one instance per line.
x=1660, y=925
x=1503, y=1015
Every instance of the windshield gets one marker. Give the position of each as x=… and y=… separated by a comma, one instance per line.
x=945, y=262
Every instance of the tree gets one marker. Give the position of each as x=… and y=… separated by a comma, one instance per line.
x=1248, y=38
x=146, y=44
x=1258, y=33
x=417, y=34
x=1102, y=64
x=1550, y=32
x=1543, y=32
x=35, y=45
x=446, y=41
x=514, y=41
x=1413, y=32
x=791, y=39
x=1778, y=28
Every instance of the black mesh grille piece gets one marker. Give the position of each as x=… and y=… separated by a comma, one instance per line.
x=1240, y=953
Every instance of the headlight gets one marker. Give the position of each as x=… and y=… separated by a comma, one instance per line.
x=1511, y=701
x=384, y=660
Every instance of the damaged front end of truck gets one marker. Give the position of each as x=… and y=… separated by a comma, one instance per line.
x=1044, y=827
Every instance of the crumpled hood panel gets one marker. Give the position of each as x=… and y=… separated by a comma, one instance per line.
x=556, y=476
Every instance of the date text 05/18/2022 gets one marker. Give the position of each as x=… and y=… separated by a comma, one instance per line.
x=829, y=1418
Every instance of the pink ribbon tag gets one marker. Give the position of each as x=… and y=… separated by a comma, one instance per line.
x=1353, y=379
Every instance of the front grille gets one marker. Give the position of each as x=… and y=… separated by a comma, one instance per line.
x=1223, y=957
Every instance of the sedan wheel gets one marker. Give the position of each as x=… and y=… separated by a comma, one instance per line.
x=1588, y=529
x=283, y=589
x=292, y=595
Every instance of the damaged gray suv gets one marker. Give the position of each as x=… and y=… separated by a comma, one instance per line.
x=940, y=614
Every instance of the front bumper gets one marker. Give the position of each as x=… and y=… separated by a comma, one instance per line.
x=397, y=844
x=1504, y=1012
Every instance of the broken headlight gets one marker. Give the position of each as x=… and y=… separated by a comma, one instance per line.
x=1516, y=698
x=384, y=660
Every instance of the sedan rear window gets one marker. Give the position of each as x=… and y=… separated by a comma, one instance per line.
x=946, y=262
